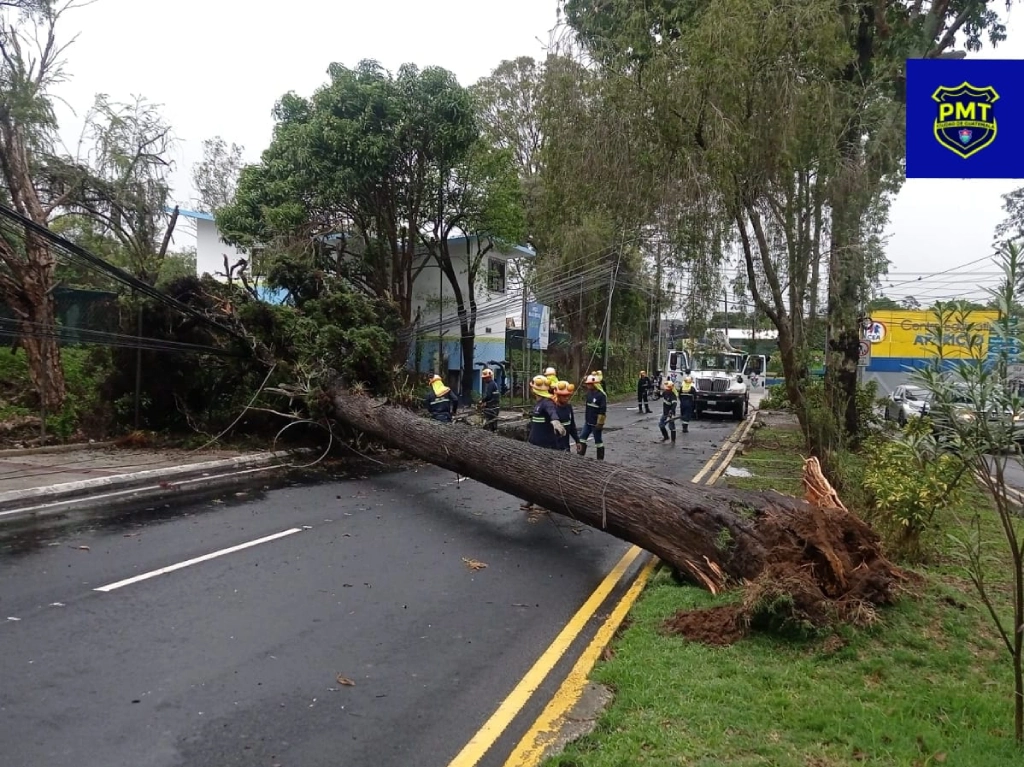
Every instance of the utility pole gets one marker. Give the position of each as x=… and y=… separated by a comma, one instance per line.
x=726, y=293
x=582, y=340
x=522, y=282
x=657, y=306
x=608, y=313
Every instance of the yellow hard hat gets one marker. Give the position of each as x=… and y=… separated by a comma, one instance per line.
x=540, y=386
x=550, y=372
x=668, y=385
x=486, y=373
x=561, y=389
x=572, y=388
x=643, y=372
x=591, y=379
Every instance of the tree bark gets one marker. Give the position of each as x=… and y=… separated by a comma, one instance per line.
x=28, y=292
x=714, y=536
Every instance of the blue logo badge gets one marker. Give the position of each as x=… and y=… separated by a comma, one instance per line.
x=966, y=119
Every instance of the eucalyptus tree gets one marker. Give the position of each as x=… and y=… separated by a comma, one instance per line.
x=215, y=177
x=855, y=63
x=120, y=188
x=31, y=65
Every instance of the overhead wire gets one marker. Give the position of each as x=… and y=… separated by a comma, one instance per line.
x=14, y=329
x=548, y=293
x=95, y=263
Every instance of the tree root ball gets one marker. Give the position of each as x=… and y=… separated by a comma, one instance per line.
x=826, y=568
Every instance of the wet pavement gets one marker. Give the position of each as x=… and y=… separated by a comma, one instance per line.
x=227, y=632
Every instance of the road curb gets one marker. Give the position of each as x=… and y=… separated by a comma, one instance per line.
x=15, y=452
x=55, y=498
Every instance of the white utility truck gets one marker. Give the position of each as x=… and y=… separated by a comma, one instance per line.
x=721, y=377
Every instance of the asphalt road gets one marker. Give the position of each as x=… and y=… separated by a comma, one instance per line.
x=235, y=659
x=1013, y=471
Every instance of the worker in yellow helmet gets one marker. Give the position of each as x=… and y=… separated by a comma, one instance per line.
x=546, y=429
x=686, y=399
x=599, y=381
x=441, y=403
x=562, y=394
x=594, y=417
x=552, y=377
x=490, y=399
x=669, y=399
x=643, y=384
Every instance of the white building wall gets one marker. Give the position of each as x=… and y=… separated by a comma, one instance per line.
x=494, y=309
x=211, y=249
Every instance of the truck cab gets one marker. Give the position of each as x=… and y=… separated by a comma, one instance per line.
x=722, y=379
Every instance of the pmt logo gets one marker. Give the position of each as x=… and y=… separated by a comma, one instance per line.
x=966, y=120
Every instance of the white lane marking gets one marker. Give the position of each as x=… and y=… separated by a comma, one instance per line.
x=197, y=560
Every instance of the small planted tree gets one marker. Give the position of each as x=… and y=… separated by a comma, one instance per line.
x=978, y=414
x=911, y=478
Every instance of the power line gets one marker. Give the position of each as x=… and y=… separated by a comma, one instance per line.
x=82, y=257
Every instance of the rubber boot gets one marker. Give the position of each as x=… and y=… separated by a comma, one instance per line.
x=664, y=434
x=600, y=454
x=583, y=448
x=686, y=427
x=673, y=437
x=648, y=407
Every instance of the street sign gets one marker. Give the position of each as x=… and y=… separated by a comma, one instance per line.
x=876, y=333
x=864, y=356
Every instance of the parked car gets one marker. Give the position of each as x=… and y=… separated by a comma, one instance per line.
x=907, y=402
x=964, y=409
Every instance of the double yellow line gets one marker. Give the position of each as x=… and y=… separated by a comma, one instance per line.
x=729, y=447
x=531, y=747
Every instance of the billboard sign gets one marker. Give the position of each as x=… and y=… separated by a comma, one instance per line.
x=538, y=324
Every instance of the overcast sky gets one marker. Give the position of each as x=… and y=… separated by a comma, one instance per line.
x=218, y=66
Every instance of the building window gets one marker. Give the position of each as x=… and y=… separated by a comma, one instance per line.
x=496, y=275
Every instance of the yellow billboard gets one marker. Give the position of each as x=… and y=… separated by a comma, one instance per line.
x=910, y=335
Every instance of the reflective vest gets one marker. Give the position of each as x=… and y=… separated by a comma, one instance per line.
x=686, y=385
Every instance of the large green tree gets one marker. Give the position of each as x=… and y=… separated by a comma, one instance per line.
x=358, y=165
x=480, y=197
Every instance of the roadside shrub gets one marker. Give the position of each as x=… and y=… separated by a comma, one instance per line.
x=84, y=413
x=775, y=398
x=910, y=478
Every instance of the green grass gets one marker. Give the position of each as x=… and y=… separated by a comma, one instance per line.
x=774, y=457
x=927, y=684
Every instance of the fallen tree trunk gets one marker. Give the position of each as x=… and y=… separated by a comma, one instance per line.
x=712, y=535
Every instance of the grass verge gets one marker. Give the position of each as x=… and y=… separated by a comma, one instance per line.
x=928, y=684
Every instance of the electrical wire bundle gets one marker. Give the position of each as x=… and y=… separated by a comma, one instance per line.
x=16, y=230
